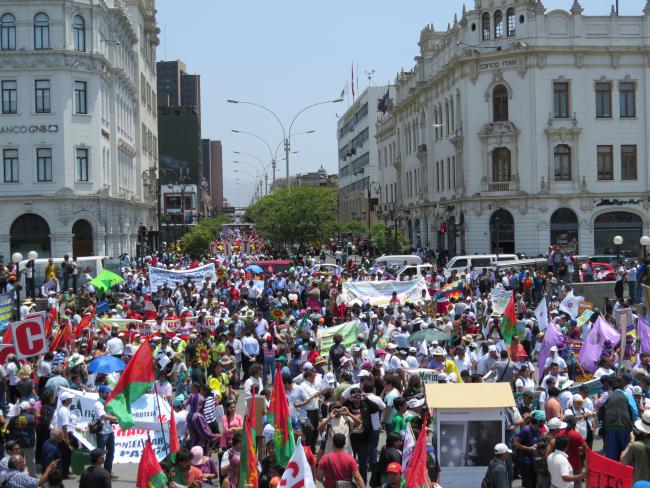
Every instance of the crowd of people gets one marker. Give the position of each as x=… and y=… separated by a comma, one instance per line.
x=354, y=405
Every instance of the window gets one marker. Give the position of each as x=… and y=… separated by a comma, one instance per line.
x=603, y=100
x=627, y=99
x=486, y=26
x=9, y=97
x=605, y=163
x=82, y=164
x=562, y=169
x=80, y=97
x=498, y=24
x=511, y=22
x=500, y=103
x=501, y=164
x=79, y=33
x=10, y=159
x=561, y=100
x=628, y=162
x=8, y=32
x=44, y=164
x=41, y=31
x=42, y=92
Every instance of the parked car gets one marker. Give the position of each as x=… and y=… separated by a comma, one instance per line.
x=601, y=272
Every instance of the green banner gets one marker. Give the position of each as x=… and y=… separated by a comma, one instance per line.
x=348, y=331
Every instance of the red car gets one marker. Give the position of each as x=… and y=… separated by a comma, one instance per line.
x=601, y=272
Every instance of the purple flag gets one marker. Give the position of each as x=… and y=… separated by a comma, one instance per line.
x=643, y=330
x=593, y=346
x=552, y=337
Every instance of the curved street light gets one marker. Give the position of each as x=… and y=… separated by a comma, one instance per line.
x=286, y=136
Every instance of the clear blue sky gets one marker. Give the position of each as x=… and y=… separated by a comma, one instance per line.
x=287, y=54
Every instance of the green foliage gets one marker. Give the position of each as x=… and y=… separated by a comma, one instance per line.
x=382, y=240
x=303, y=215
x=356, y=228
x=197, y=240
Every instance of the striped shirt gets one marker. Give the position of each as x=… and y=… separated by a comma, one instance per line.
x=210, y=410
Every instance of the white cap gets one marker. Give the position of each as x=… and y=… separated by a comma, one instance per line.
x=501, y=449
x=364, y=373
x=66, y=395
x=492, y=348
x=556, y=424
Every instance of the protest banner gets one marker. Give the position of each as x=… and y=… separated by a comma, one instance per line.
x=170, y=324
x=171, y=277
x=348, y=331
x=604, y=472
x=129, y=443
x=6, y=307
x=584, y=305
x=426, y=375
x=379, y=293
x=29, y=336
x=500, y=298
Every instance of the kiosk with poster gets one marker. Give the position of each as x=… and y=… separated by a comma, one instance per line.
x=468, y=421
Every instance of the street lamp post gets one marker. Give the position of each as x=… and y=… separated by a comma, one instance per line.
x=16, y=258
x=645, y=240
x=618, y=241
x=286, y=135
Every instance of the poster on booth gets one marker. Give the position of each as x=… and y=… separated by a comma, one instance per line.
x=426, y=375
x=348, y=331
x=172, y=277
x=129, y=443
x=379, y=293
x=6, y=308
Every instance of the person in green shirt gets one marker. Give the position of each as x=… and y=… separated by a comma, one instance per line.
x=400, y=420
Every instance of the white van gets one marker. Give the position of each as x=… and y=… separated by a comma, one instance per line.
x=89, y=265
x=477, y=261
x=397, y=260
x=414, y=272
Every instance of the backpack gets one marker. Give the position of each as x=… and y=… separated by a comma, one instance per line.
x=488, y=482
x=540, y=464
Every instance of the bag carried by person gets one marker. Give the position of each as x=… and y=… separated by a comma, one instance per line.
x=339, y=483
x=488, y=481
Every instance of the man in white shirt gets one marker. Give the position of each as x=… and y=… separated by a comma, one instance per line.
x=559, y=467
x=250, y=351
x=313, y=392
x=115, y=345
x=105, y=436
x=261, y=326
x=62, y=419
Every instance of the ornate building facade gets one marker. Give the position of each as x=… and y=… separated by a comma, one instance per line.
x=520, y=128
x=78, y=125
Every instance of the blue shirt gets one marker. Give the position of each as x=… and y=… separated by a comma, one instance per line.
x=527, y=437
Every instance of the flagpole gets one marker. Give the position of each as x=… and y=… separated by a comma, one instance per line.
x=162, y=430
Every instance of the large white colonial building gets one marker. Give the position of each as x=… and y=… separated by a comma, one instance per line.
x=519, y=128
x=77, y=125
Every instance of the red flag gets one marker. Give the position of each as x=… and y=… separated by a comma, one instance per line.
x=49, y=320
x=416, y=473
x=149, y=471
x=195, y=264
x=150, y=312
x=174, y=443
x=509, y=321
x=84, y=323
x=89, y=346
x=62, y=337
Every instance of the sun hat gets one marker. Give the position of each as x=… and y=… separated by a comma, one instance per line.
x=197, y=454
x=643, y=424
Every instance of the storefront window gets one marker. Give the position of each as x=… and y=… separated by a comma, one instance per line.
x=625, y=224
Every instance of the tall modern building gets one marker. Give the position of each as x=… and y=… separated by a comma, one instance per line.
x=212, y=154
x=520, y=128
x=357, y=161
x=176, y=87
x=78, y=127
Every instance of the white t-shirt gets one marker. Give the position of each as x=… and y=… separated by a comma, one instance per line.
x=12, y=373
x=99, y=412
x=62, y=418
x=115, y=346
x=526, y=383
x=558, y=466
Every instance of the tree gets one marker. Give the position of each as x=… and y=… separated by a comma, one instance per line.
x=302, y=215
x=198, y=239
x=384, y=241
x=355, y=227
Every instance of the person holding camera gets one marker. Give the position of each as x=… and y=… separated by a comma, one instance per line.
x=339, y=421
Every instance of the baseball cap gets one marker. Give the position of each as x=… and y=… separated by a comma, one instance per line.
x=104, y=389
x=97, y=453
x=501, y=448
x=394, y=468
x=556, y=424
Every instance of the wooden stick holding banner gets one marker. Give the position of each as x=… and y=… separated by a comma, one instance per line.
x=162, y=429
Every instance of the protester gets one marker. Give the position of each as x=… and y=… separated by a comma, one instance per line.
x=95, y=475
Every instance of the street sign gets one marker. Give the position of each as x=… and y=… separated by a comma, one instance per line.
x=29, y=337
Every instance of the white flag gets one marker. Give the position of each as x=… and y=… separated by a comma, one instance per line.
x=570, y=305
x=407, y=448
x=298, y=472
x=541, y=314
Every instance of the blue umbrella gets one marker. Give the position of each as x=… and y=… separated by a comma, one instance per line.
x=106, y=364
x=254, y=268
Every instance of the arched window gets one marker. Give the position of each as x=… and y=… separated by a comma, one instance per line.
x=562, y=168
x=500, y=104
x=79, y=33
x=498, y=24
x=511, y=22
x=486, y=26
x=501, y=165
x=41, y=31
x=8, y=32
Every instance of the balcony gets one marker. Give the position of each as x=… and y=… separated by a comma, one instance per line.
x=503, y=186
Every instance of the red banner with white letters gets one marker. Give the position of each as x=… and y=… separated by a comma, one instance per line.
x=604, y=472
